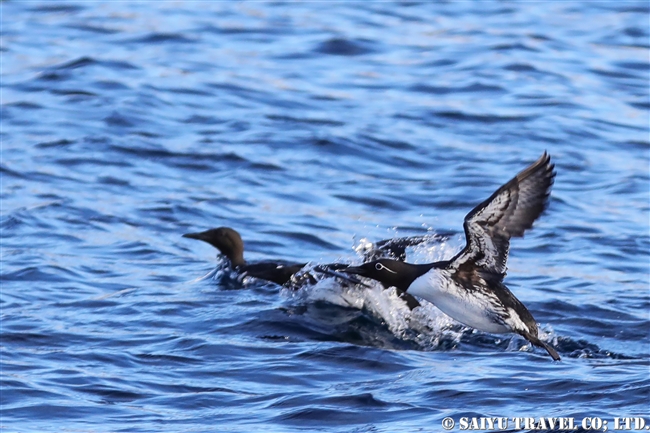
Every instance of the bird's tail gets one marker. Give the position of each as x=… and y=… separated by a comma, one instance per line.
x=537, y=342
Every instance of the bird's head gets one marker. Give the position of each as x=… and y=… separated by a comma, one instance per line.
x=226, y=240
x=391, y=273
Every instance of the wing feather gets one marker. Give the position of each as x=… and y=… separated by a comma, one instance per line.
x=509, y=212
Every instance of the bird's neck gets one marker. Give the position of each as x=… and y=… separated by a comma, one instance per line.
x=237, y=259
x=411, y=272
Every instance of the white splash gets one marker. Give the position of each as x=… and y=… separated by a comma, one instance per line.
x=426, y=324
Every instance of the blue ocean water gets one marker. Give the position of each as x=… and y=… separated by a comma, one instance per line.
x=310, y=128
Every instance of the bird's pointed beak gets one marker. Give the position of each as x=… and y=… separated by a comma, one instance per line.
x=355, y=270
x=198, y=236
x=342, y=275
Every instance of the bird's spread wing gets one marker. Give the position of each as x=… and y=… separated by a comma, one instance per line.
x=508, y=212
x=395, y=248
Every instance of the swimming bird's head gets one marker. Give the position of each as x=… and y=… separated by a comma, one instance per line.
x=391, y=273
x=226, y=240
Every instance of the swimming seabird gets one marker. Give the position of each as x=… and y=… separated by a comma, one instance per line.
x=469, y=287
x=229, y=242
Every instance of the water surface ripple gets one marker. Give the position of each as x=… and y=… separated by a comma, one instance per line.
x=309, y=128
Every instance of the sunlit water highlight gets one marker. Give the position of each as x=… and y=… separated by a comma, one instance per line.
x=309, y=128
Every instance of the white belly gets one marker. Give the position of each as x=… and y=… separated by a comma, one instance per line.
x=470, y=308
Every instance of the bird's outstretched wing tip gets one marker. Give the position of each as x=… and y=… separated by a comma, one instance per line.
x=508, y=212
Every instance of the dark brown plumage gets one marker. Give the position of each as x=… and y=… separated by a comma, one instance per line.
x=507, y=213
x=469, y=287
x=229, y=242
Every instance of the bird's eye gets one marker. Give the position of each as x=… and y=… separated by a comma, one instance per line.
x=381, y=267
